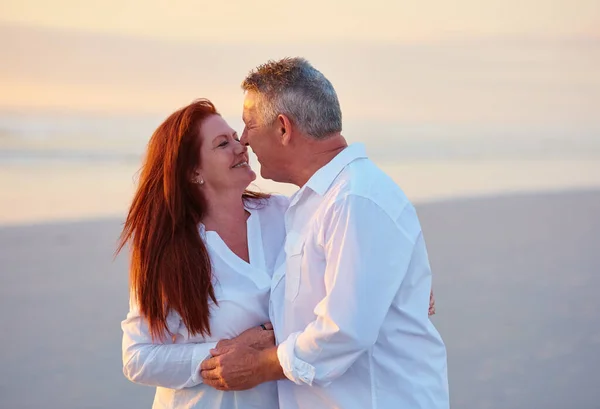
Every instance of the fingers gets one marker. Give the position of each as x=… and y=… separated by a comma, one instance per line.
x=208, y=364
x=214, y=361
x=210, y=375
x=224, y=343
x=216, y=383
x=268, y=326
x=214, y=379
x=268, y=335
x=219, y=350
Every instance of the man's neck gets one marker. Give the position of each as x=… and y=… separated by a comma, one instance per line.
x=318, y=153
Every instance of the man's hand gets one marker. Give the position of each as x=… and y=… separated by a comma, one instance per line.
x=240, y=367
x=255, y=337
x=231, y=368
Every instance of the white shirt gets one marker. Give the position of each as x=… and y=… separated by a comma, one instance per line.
x=242, y=291
x=350, y=307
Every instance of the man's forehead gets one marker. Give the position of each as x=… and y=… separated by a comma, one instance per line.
x=248, y=112
x=249, y=102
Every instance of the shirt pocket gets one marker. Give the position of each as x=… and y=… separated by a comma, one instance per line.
x=294, y=251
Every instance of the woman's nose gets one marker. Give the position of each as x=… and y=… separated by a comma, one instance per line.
x=240, y=148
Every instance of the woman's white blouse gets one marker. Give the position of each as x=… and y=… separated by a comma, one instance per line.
x=242, y=291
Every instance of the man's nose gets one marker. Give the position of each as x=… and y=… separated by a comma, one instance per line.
x=244, y=138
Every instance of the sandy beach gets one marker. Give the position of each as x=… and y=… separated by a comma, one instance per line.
x=516, y=283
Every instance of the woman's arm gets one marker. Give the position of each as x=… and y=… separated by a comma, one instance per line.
x=160, y=363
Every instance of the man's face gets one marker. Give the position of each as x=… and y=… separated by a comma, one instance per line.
x=264, y=139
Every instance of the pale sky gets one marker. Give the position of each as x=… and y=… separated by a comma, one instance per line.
x=493, y=61
x=325, y=20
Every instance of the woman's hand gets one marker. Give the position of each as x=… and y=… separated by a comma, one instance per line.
x=255, y=337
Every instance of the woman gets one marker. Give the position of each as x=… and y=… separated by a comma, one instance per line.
x=203, y=249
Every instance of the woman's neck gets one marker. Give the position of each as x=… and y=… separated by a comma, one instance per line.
x=224, y=211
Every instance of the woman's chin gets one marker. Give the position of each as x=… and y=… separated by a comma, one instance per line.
x=252, y=176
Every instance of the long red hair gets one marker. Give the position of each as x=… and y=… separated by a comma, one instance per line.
x=170, y=267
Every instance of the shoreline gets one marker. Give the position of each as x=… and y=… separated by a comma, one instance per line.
x=72, y=192
x=434, y=201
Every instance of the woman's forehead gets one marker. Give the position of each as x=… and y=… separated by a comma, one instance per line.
x=215, y=126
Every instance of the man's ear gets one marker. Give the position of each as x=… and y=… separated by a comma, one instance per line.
x=285, y=129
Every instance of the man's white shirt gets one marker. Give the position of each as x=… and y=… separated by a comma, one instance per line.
x=350, y=299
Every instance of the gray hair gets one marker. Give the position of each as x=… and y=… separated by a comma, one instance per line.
x=293, y=87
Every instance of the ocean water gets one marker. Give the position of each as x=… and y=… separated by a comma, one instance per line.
x=73, y=166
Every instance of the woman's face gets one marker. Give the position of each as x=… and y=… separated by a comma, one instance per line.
x=223, y=159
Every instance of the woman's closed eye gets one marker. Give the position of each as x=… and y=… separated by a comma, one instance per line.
x=226, y=140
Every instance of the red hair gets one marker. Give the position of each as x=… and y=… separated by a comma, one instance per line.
x=170, y=267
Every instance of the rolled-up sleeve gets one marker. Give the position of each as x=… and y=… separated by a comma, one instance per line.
x=367, y=252
x=164, y=364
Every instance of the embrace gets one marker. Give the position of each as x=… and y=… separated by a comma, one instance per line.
x=242, y=300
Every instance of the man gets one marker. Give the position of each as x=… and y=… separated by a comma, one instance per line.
x=350, y=302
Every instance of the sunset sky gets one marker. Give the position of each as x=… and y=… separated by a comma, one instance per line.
x=275, y=21
x=525, y=61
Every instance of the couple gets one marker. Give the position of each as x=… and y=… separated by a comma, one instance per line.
x=340, y=269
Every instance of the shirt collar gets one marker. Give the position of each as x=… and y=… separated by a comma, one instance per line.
x=322, y=179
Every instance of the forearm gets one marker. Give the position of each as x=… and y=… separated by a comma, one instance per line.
x=269, y=366
x=174, y=366
x=317, y=355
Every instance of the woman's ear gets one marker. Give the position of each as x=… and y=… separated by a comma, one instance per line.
x=195, y=177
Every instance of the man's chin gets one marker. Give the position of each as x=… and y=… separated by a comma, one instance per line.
x=264, y=173
x=271, y=176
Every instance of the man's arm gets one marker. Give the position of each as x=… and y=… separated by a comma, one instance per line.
x=368, y=253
